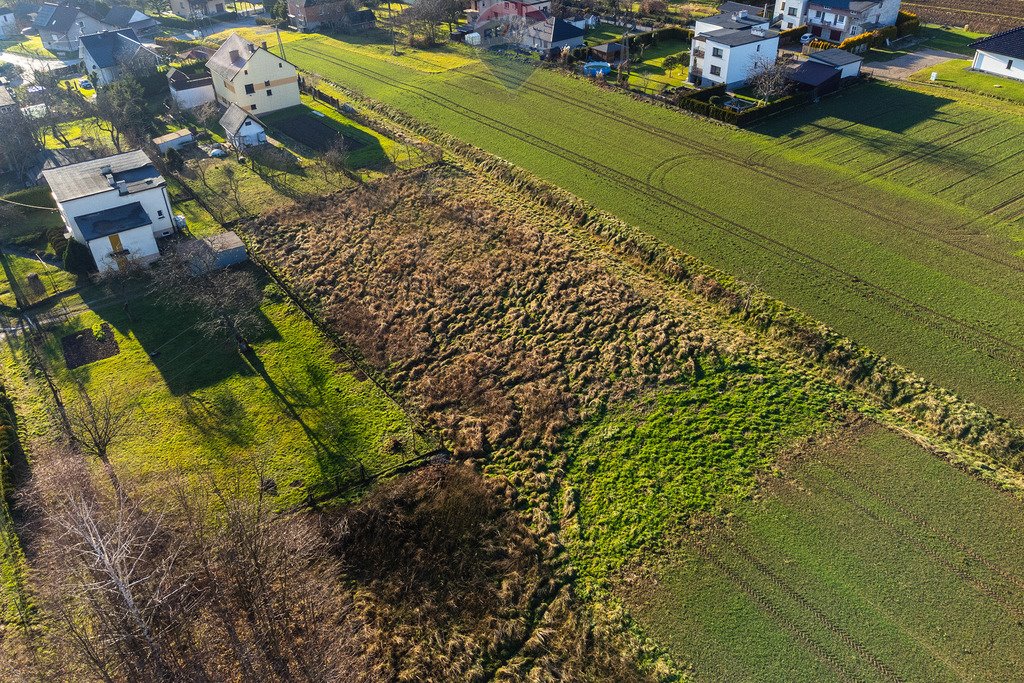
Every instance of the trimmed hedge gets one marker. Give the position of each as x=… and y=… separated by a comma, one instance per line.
x=792, y=35
x=907, y=23
x=700, y=103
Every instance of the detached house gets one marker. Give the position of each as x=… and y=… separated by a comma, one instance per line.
x=552, y=34
x=60, y=26
x=727, y=48
x=242, y=129
x=197, y=9
x=252, y=77
x=120, y=16
x=1001, y=54
x=105, y=54
x=116, y=205
x=837, y=20
x=308, y=15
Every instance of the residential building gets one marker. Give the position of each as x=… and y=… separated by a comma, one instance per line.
x=727, y=48
x=105, y=54
x=242, y=129
x=552, y=34
x=197, y=9
x=120, y=16
x=508, y=7
x=60, y=26
x=837, y=20
x=190, y=90
x=252, y=77
x=8, y=22
x=308, y=15
x=116, y=205
x=846, y=63
x=1001, y=54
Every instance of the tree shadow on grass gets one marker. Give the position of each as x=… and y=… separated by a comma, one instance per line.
x=221, y=414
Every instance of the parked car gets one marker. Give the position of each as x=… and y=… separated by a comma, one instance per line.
x=806, y=38
x=85, y=84
x=218, y=153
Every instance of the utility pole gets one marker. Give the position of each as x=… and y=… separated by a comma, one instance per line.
x=280, y=43
x=394, y=38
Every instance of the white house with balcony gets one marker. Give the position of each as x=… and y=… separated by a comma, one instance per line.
x=837, y=20
x=117, y=206
x=1001, y=54
x=728, y=48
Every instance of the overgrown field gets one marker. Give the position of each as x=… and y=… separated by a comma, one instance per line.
x=992, y=15
x=510, y=341
x=866, y=559
x=891, y=214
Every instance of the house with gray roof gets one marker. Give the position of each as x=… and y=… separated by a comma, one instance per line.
x=106, y=53
x=552, y=34
x=729, y=47
x=242, y=129
x=121, y=16
x=117, y=206
x=61, y=26
x=1001, y=54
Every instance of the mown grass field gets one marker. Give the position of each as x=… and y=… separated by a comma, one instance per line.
x=200, y=408
x=891, y=214
x=869, y=559
x=955, y=74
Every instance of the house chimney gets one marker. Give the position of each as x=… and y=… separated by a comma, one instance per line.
x=122, y=187
x=105, y=170
x=234, y=55
x=264, y=45
x=742, y=14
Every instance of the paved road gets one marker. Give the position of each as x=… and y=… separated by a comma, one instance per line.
x=30, y=64
x=901, y=68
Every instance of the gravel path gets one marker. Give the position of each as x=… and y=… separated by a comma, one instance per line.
x=901, y=68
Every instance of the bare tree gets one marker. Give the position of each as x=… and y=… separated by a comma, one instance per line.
x=97, y=424
x=769, y=78
x=334, y=159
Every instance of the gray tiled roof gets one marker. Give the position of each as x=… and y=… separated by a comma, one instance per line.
x=554, y=30
x=87, y=178
x=107, y=47
x=110, y=221
x=234, y=117
x=231, y=57
x=733, y=38
x=835, y=57
x=1008, y=43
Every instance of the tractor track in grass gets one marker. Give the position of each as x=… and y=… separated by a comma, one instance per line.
x=966, y=332
x=1013, y=611
x=799, y=598
x=970, y=174
x=985, y=170
x=890, y=502
x=765, y=604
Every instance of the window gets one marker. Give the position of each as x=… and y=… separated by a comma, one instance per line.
x=792, y=11
x=159, y=213
x=817, y=14
x=716, y=52
x=252, y=107
x=269, y=92
x=266, y=84
x=716, y=71
x=249, y=88
x=246, y=72
x=280, y=65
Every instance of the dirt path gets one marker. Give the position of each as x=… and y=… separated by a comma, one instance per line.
x=901, y=68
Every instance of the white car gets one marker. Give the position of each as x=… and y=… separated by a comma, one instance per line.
x=806, y=38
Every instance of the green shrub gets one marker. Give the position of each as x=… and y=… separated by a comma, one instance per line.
x=78, y=259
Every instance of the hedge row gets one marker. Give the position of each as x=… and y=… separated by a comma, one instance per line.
x=863, y=41
x=919, y=402
x=792, y=35
x=699, y=103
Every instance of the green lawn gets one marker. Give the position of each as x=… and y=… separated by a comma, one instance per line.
x=31, y=47
x=52, y=279
x=201, y=407
x=956, y=74
x=870, y=560
x=931, y=36
x=650, y=74
x=901, y=224
x=603, y=33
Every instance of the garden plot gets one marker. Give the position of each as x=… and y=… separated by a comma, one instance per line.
x=313, y=130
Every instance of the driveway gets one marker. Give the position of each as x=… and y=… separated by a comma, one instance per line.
x=901, y=68
x=30, y=64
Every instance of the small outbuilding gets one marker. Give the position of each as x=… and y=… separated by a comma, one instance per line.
x=175, y=140
x=846, y=63
x=816, y=77
x=609, y=52
x=242, y=129
x=217, y=252
x=190, y=90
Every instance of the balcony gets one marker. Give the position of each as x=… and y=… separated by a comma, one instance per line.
x=699, y=54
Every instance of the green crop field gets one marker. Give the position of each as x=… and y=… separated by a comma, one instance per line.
x=891, y=214
x=871, y=560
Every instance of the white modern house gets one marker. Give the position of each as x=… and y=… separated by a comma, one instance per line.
x=8, y=25
x=106, y=53
x=727, y=48
x=116, y=205
x=252, y=77
x=837, y=20
x=242, y=129
x=1001, y=54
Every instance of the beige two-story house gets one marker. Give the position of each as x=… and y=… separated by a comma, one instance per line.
x=252, y=77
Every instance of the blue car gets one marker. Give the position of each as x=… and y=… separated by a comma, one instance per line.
x=85, y=84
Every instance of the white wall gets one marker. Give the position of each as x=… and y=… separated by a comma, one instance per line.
x=193, y=97
x=155, y=201
x=799, y=16
x=249, y=135
x=139, y=243
x=737, y=62
x=996, y=65
x=262, y=67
